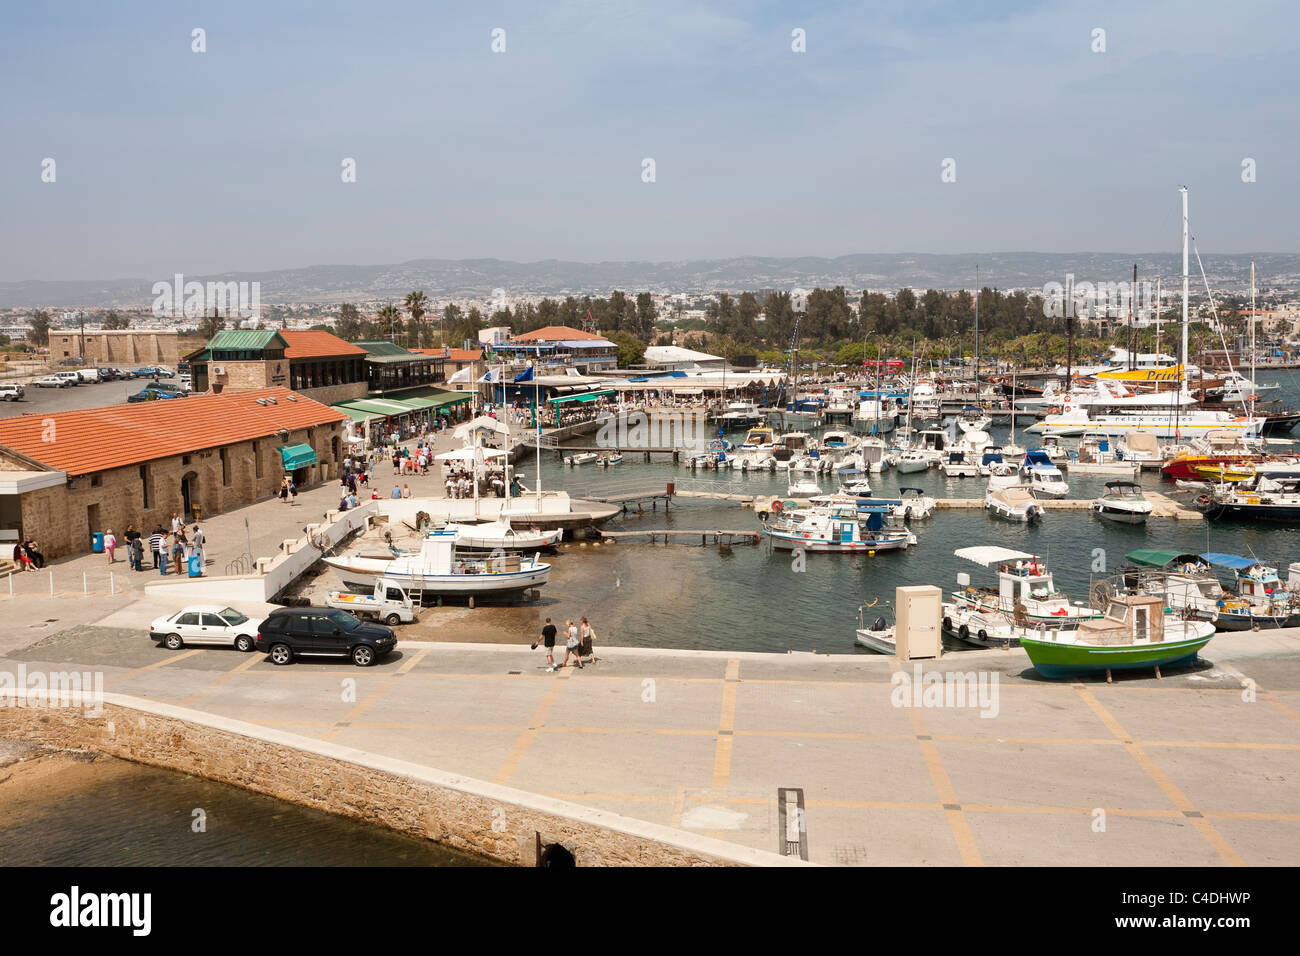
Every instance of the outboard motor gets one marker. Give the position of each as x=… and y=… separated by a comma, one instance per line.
x=879, y=624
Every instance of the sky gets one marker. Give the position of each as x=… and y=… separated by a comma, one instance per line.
x=167, y=160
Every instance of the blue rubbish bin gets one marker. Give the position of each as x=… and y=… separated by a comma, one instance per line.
x=97, y=542
x=196, y=566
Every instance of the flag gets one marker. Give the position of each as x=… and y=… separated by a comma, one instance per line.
x=490, y=377
x=525, y=376
x=464, y=375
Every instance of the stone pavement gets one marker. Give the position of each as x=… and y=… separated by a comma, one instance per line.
x=1195, y=769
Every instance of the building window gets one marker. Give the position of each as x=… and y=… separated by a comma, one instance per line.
x=96, y=481
x=185, y=459
x=144, y=486
x=225, y=468
x=257, y=459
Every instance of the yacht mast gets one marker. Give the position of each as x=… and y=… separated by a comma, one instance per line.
x=1252, y=338
x=1183, y=190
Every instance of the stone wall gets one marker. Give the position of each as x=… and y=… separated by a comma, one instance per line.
x=329, y=394
x=60, y=519
x=471, y=815
x=118, y=348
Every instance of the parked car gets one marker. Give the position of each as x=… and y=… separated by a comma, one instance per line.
x=322, y=632
x=109, y=374
x=205, y=624
x=152, y=395
x=90, y=376
x=165, y=387
x=53, y=381
x=73, y=360
x=73, y=378
x=153, y=371
x=144, y=371
x=11, y=392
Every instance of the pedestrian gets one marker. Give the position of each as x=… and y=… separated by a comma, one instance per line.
x=293, y=492
x=284, y=489
x=178, y=550
x=548, y=638
x=157, y=547
x=33, y=553
x=586, y=647
x=176, y=522
x=406, y=491
x=110, y=545
x=25, y=561
x=197, y=541
x=136, y=546
x=397, y=492
x=571, y=645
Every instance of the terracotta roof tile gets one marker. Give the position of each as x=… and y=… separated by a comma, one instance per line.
x=453, y=355
x=317, y=344
x=555, y=333
x=94, y=439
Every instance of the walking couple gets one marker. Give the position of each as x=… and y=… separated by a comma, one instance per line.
x=578, y=642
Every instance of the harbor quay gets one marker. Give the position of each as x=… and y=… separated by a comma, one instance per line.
x=835, y=759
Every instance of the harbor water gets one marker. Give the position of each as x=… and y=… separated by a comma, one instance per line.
x=753, y=598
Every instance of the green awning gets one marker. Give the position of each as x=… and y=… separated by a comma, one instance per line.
x=584, y=397
x=357, y=415
x=297, y=456
x=1158, y=557
x=384, y=407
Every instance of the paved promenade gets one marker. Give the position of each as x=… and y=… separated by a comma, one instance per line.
x=1195, y=769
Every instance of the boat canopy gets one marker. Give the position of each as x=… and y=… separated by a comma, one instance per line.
x=987, y=555
x=1144, y=442
x=1234, y=561
x=1037, y=456
x=1159, y=557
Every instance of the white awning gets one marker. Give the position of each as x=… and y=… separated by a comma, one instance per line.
x=482, y=422
x=986, y=556
x=467, y=454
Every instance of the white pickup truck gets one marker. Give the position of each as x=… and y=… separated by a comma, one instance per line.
x=389, y=603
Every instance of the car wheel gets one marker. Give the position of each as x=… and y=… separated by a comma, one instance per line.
x=281, y=654
x=173, y=642
x=363, y=655
x=393, y=620
x=243, y=643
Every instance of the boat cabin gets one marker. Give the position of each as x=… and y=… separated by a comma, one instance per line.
x=1130, y=619
x=757, y=437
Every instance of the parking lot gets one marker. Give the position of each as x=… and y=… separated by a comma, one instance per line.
x=42, y=400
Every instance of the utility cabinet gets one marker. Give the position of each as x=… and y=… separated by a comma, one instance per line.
x=917, y=631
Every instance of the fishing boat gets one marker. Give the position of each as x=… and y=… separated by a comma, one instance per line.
x=1135, y=633
x=437, y=570
x=582, y=458
x=500, y=535
x=878, y=636
x=1185, y=580
x=1014, y=503
x=1123, y=502
x=838, y=529
x=1259, y=598
x=1026, y=596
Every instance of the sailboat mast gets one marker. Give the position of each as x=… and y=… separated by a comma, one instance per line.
x=977, y=330
x=1252, y=338
x=1183, y=190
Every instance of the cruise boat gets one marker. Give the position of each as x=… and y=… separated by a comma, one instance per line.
x=1265, y=497
x=1135, y=633
x=1123, y=502
x=1182, y=423
x=1014, y=503
x=437, y=570
x=843, y=529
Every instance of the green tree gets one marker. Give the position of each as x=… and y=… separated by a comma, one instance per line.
x=390, y=321
x=415, y=304
x=114, y=322
x=631, y=350
x=210, y=325
x=349, y=325
x=646, y=314
x=39, y=334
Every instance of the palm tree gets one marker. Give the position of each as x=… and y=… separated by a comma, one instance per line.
x=389, y=314
x=415, y=303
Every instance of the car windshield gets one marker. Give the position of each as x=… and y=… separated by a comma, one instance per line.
x=345, y=620
x=232, y=616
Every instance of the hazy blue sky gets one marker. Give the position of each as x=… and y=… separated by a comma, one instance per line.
x=172, y=161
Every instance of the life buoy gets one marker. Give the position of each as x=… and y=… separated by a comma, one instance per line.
x=777, y=506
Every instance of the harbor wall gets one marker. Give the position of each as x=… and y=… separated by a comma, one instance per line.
x=502, y=823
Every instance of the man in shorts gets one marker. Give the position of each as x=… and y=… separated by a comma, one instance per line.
x=548, y=638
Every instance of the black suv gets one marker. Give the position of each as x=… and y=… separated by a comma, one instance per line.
x=325, y=632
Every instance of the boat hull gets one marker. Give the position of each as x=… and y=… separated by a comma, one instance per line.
x=1069, y=660
x=1119, y=515
x=361, y=574
x=882, y=642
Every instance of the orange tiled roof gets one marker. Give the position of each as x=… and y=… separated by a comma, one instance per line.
x=95, y=439
x=453, y=355
x=555, y=333
x=317, y=344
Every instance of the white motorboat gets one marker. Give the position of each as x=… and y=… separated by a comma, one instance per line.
x=1123, y=502
x=802, y=487
x=615, y=459
x=1046, y=480
x=1142, y=449
x=740, y=415
x=878, y=637
x=912, y=461
x=501, y=535
x=758, y=450
x=1003, y=474
x=582, y=458
x=437, y=570
x=874, y=454
x=1014, y=503
x=844, y=528
x=1095, y=456
x=956, y=465
x=973, y=418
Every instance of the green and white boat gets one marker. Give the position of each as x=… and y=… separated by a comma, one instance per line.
x=1136, y=633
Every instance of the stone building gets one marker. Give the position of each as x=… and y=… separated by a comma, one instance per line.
x=317, y=364
x=118, y=348
x=65, y=475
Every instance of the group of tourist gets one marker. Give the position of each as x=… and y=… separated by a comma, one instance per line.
x=578, y=641
x=27, y=556
x=174, y=545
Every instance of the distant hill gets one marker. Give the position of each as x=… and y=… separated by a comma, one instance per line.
x=477, y=278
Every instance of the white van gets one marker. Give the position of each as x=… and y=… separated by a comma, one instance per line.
x=88, y=375
x=73, y=378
